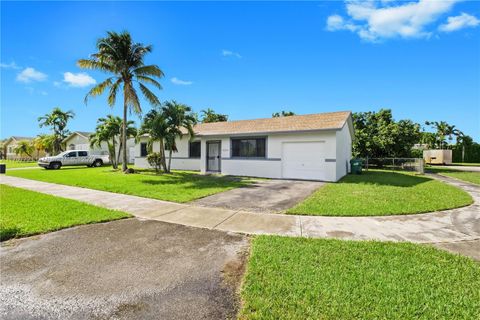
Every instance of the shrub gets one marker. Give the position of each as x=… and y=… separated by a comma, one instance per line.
x=155, y=160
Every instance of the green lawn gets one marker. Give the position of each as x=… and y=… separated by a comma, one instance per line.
x=299, y=278
x=25, y=213
x=180, y=186
x=18, y=164
x=473, y=177
x=382, y=193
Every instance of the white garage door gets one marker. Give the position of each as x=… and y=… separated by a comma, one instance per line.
x=303, y=160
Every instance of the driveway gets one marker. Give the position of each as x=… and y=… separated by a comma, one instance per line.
x=127, y=269
x=461, y=168
x=268, y=196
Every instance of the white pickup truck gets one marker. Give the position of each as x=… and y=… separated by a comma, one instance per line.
x=73, y=158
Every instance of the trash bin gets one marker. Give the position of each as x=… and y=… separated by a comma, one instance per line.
x=356, y=166
x=3, y=167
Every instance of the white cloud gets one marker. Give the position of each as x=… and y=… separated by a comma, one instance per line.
x=30, y=74
x=376, y=20
x=177, y=81
x=11, y=65
x=459, y=22
x=229, y=53
x=77, y=79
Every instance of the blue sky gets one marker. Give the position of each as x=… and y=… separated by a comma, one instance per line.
x=421, y=59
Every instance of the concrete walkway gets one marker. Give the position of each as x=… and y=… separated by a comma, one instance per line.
x=462, y=224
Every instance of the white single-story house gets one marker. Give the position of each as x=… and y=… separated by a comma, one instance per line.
x=80, y=140
x=310, y=147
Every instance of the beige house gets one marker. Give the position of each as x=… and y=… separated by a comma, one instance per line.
x=11, y=143
x=80, y=140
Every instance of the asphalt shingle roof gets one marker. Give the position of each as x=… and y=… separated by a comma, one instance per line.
x=308, y=122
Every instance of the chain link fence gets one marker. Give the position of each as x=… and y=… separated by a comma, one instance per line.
x=395, y=164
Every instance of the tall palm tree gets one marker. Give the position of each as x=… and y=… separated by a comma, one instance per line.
x=119, y=56
x=57, y=120
x=178, y=116
x=155, y=125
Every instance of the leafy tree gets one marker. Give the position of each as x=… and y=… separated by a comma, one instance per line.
x=118, y=55
x=209, y=115
x=283, y=113
x=178, y=116
x=24, y=147
x=57, y=120
x=378, y=135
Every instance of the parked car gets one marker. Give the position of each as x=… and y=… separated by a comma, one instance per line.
x=73, y=158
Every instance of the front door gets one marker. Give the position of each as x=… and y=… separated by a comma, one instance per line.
x=213, y=156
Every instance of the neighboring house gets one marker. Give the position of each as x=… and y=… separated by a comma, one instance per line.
x=79, y=140
x=311, y=147
x=11, y=143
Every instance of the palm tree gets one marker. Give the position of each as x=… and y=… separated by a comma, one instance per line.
x=57, y=120
x=24, y=147
x=443, y=129
x=109, y=130
x=155, y=125
x=283, y=113
x=178, y=116
x=209, y=115
x=124, y=59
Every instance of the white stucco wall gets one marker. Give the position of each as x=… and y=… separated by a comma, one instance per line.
x=180, y=159
x=343, y=151
x=271, y=167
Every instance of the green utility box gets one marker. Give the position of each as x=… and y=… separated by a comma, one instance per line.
x=356, y=166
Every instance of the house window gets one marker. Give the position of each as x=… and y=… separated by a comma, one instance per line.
x=194, y=149
x=143, y=149
x=71, y=147
x=248, y=148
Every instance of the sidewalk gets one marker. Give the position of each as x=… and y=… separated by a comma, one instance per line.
x=448, y=226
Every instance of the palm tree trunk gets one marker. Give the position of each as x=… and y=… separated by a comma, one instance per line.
x=111, y=150
x=169, y=159
x=119, y=151
x=124, y=132
x=162, y=152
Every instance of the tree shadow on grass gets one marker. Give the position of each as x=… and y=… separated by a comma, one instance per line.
x=385, y=178
x=192, y=180
x=8, y=233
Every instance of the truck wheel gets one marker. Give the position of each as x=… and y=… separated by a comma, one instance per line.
x=55, y=165
x=98, y=163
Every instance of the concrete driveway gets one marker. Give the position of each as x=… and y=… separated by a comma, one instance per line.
x=268, y=196
x=127, y=269
x=460, y=168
